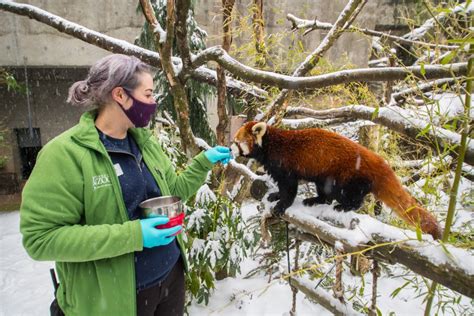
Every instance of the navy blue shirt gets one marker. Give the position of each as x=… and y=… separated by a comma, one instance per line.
x=152, y=264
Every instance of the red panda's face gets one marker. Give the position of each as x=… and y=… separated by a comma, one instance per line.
x=248, y=136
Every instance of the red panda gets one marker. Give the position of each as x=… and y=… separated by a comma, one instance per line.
x=341, y=169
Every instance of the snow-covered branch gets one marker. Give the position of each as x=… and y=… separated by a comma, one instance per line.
x=310, y=25
x=235, y=87
x=421, y=32
x=397, y=119
x=80, y=32
x=238, y=69
x=445, y=264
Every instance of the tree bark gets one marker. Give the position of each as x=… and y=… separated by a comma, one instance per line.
x=227, y=6
x=178, y=91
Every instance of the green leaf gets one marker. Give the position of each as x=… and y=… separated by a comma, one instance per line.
x=446, y=59
x=395, y=293
x=422, y=69
x=462, y=41
x=418, y=233
x=425, y=130
x=379, y=312
x=376, y=112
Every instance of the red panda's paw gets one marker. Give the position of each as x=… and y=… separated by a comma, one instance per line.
x=272, y=197
x=344, y=208
x=279, y=209
x=316, y=200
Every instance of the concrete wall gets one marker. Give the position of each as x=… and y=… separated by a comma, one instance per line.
x=48, y=111
x=54, y=60
x=21, y=37
x=376, y=14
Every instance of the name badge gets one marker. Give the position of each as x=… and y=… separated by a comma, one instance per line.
x=118, y=170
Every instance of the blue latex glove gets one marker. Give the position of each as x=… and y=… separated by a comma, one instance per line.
x=152, y=236
x=218, y=154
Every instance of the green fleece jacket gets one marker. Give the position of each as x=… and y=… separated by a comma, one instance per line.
x=72, y=212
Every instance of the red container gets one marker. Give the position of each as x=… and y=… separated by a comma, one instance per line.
x=174, y=221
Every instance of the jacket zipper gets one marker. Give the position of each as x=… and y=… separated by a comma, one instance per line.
x=129, y=154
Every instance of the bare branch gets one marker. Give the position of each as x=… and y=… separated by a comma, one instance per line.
x=315, y=24
x=425, y=87
x=396, y=119
x=220, y=56
x=234, y=86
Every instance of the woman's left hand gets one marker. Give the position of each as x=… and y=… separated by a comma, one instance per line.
x=218, y=154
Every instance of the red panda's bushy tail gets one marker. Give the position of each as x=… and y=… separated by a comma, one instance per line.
x=389, y=190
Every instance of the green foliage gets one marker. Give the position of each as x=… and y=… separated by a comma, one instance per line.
x=9, y=80
x=218, y=241
x=216, y=236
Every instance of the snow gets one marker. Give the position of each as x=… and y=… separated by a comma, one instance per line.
x=26, y=288
x=367, y=226
x=21, y=277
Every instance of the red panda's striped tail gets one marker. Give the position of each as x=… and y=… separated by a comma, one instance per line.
x=391, y=192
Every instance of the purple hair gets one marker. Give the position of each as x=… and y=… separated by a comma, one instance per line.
x=112, y=71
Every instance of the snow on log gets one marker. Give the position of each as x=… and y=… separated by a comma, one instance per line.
x=445, y=264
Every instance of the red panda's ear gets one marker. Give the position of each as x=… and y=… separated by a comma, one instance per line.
x=258, y=130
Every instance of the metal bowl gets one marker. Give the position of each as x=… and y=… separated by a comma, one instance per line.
x=170, y=206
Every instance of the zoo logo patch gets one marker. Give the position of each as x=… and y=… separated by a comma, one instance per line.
x=101, y=181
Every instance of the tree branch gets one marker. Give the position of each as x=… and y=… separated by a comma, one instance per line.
x=182, y=9
x=425, y=87
x=388, y=243
x=396, y=119
x=311, y=25
x=227, y=6
x=322, y=297
x=245, y=72
x=234, y=86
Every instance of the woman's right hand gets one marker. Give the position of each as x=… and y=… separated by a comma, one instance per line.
x=154, y=237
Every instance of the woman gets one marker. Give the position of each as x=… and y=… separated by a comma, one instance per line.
x=80, y=204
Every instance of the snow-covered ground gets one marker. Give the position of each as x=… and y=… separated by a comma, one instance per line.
x=26, y=288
